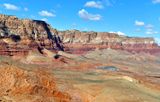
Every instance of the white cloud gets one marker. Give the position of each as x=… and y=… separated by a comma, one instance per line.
x=44, y=19
x=139, y=23
x=88, y=16
x=46, y=13
x=149, y=26
x=94, y=4
x=119, y=33
x=151, y=31
x=10, y=6
x=156, y=1
x=25, y=9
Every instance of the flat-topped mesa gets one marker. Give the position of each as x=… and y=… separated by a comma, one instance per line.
x=27, y=34
x=80, y=42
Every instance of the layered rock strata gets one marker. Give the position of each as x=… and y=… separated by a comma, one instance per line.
x=21, y=35
x=18, y=36
x=80, y=42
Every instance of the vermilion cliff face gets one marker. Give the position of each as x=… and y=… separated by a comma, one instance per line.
x=80, y=42
x=18, y=36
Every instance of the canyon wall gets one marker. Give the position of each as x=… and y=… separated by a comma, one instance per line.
x=80, y=42
x=18, y=36
x=22, y=35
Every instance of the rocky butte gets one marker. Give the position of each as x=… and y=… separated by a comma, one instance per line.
x=18, y=36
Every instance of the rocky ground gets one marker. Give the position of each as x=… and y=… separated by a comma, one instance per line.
x=86, y=78
x=40, y=64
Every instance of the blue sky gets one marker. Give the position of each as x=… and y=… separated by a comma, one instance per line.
x=139, y=18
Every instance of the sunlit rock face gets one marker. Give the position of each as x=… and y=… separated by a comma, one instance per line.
x=18, y=36
x=80, y=42
x=21, y=35
x=13, y=25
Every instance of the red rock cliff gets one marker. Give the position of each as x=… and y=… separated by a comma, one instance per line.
x=21, y=35
x=18, y=36
x=80, y=42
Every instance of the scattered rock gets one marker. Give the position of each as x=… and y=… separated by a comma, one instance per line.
x=20, y=85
